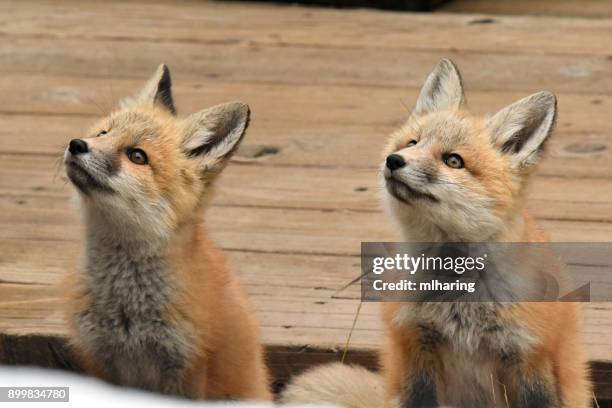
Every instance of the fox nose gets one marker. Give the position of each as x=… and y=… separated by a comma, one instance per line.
x=78, y=146
x=395, y=161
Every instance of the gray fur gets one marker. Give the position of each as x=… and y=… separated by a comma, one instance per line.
x=125, y=328
x=535, y=394
x=477, y=342
x=90, y=173
x=421, y=392
x=472, y=327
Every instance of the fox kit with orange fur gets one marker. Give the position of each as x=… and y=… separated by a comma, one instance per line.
x=154, y=305
x=451, y=176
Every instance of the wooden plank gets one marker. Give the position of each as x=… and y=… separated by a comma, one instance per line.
x=46, y=94
x=206, y=23
x=342, y=106
x=341, y=66
x=583, y=155
x=261, y=229
x=338, y=189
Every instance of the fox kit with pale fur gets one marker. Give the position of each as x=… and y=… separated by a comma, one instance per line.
x=451, y=176
x=154, y=304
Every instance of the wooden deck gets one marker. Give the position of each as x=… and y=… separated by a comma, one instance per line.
x=326, y=87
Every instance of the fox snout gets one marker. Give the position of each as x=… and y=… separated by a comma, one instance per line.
x=405, y=182
x=85, y=169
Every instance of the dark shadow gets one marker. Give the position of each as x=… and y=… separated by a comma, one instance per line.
x=403, y=5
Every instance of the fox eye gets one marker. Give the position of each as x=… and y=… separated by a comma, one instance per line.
x=411, y=143
x=137, y=156
x=101, y=133
x=453, y=160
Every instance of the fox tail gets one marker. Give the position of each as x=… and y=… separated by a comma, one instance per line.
x=337, y=384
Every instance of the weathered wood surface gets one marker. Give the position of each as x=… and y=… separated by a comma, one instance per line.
x=567, y=8
x=326, y=87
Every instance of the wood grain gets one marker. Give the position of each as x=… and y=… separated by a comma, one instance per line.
x=326, y=87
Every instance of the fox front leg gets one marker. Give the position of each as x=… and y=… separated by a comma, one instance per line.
x=172, y=372
x=533, y=386
x=535, y=393
x=419, y=390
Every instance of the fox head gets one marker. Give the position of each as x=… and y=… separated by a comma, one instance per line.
x=449, y=175
x=142, y=171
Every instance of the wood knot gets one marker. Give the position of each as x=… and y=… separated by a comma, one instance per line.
x=486, y=20
x=250, y=152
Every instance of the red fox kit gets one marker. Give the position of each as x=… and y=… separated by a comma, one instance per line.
x=154, y=305
x=451, y=176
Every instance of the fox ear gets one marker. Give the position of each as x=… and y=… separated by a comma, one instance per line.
x=212, y=135
x=522, y=129
x=157, y=91
x=442, y=90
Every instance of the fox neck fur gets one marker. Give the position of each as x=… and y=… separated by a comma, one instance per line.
x=132, y=291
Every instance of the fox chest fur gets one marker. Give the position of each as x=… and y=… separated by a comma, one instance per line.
x=471, y=341
x=469, y=327
x=126, y=325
